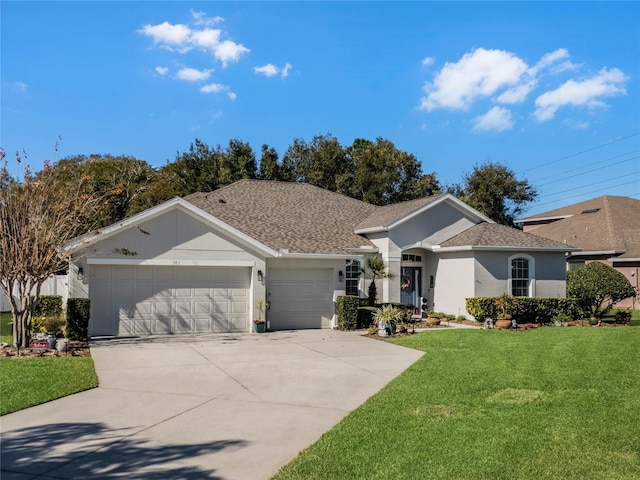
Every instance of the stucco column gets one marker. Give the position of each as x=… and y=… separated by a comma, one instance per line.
x=391, y=284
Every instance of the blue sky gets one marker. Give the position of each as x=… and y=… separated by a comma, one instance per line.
x=550, y=89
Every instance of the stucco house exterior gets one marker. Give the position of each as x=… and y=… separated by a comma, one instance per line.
x=200, y=263
x=606, y=229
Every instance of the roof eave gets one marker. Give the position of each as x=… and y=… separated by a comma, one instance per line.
x=495, y=248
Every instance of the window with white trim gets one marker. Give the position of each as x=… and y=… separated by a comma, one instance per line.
x=352, y=277
x=521, y=276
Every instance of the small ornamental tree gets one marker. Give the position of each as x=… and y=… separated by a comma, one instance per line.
x=597, y=287
x=38, y=217
x=376, y=268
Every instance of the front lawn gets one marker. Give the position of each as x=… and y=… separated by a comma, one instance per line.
x=25, y=382
x=550, y=403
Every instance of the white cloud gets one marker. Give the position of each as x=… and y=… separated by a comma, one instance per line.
x=218, y=88
x=207, y=38
x=581, y=125
x=183, y=38
x=193, y=75
x=20, y=86
x=285, y=70
x=586, y=93
x=168, y=35
x=517, y=94
x=428, y=61
x=498, y=119
x=162, y=70
x=200, y=18
x=268, y=70
x=480, y=73
x=229, y=51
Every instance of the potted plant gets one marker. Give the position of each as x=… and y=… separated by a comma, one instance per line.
x=259, y=324
x=503, y=302
x=386, y=319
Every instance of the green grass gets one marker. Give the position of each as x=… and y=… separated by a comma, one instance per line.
x=5, y=328
x=551, y=403
x=25, y=382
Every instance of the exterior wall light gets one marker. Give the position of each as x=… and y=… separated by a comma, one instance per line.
x=260, y=276
x=341, y=276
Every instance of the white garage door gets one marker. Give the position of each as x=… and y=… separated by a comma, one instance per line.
x=144, y=300
x=300, y=298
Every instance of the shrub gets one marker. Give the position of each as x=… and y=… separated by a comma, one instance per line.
x=525, y=309
x=48, y=305
x=78, y=318
x=623, y=316
x=347, y=310
x=52, y=324
x=481, y=307
x=598, y=287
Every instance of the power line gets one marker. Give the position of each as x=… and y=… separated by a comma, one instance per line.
x=581, y=152
x=626, y=175
x=588, y=165
x=589, y=171
x=588, y=193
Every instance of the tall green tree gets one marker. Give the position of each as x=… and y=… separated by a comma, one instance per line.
x=322, y=162
x=384, y=174
x=494, y=190
x=237, y=163
x=269, y=167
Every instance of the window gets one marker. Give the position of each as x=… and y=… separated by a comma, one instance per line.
x=521, y=276
x=409, y=257
x=352, y=277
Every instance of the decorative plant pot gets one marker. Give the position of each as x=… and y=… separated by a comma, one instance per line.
x=503, y=323
x=433, y=321
x=51, y=340
x=259, y=327
x=594, y=321
x=382, y=330
x=62, y=344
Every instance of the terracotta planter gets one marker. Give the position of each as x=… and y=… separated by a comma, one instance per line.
x=503, y=324
x=433, y=321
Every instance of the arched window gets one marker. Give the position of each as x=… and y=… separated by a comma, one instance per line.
x=522, y=276
x=352, y=278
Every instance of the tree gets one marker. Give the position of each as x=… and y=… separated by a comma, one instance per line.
x=383, y=174
x=237, y=163
x=322, y=162
x=494, y=190
x=37, y=218
x=376, y=268
x=269, y=168
x=119, y=181
x=598, y=287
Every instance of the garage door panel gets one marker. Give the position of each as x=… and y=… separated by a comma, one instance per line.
x=300, y=298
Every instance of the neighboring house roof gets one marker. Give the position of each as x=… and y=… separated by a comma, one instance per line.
x=493, y=235
x=298, y=217
x=608, y=224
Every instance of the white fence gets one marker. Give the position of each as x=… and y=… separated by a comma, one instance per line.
x=54, y=285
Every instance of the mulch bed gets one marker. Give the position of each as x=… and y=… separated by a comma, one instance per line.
x=76, y=349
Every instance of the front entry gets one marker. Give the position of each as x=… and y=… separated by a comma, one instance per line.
x=411, y=286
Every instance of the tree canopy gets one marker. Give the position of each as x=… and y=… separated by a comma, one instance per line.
x=494, y=190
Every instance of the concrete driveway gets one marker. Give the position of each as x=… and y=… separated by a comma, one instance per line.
x=235, y=406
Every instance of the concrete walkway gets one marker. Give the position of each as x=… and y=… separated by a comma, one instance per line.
x=234, y=406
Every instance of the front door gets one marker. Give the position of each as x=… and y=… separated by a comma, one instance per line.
x=411, y=286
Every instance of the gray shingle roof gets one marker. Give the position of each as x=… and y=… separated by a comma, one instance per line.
x=496, y=235
x=285, y=215
x=608, y=223
x=385, y=216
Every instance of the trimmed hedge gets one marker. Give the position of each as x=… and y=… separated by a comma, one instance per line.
x=48, y=306
x=365, y=316
x=525, y=309
x=347, y=310
x=78, y=318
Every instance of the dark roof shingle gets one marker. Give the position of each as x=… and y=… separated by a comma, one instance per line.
x=496, y=235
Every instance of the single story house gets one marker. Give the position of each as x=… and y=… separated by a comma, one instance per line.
x=202, y=262
x=606, y=229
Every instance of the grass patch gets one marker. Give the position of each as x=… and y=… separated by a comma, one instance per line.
x=25, y=382
x=6, y=332
x=546, y=404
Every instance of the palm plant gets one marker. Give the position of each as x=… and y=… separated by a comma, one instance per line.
x=376, y=268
